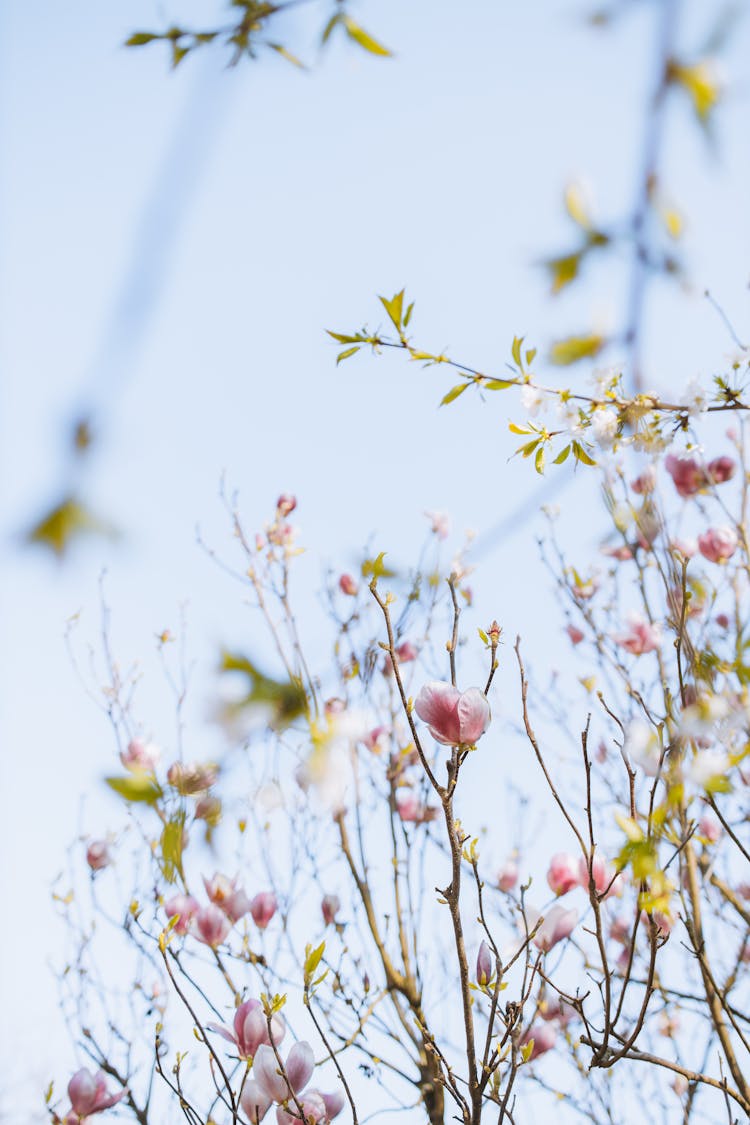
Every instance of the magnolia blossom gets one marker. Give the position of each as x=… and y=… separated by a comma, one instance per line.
x=642, y=747
x=412, y=810
x=184, y=908
x=254, y=1102
x=718, y=543
x=140, y=756
x=329, y=908
x=576, y=635
x=685, y=546
x=98, y=854
x=562, y=874
x=288, y=1088
x=250, y=1029
x=347, y=585
x=557, y=924
x=642, y=636
x=286, y=504
x=709, y=828
x=193, y=778
x=507, y=876
x=263, y=907
x=211, y=925
x=88, y=1093
x=225, y=894
x=454, y=718
x=645, y=482
x=485, y=964
x=603, y=874
x=688, y=475
x=542, y=1035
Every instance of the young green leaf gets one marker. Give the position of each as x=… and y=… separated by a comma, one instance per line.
x=136, y=788
x=346, y=353
x=363, y=38
x=453, y=393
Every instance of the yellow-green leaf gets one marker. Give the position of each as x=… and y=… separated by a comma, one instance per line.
x=499, y=384
x=64, y=524
x=573, y=348
x=539, y=460
x=564, y=269
x=394, y=308
x=285, y=54
x=376, y=568
x=136, y=787
x=286, y=699
x=346, y=353
x=172, y=842
x=514, y=429
x=581, y=455
x=562, y=456
x=700, y=82
x=365, y=40
x=575, y=205
x=453, y=393
x=516, y=350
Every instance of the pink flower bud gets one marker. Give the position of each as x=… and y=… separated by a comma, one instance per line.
x=348, y=586
x=98, y=855
x=440, y=524
x=689, y=477
x=184, y=908
x=544, y=1037
x=140, y=756
x=454, y=718
x=330, y=907
x=507, y=876
x=718, y=544
x=576, y=635
x=376, y=739
x=484, y=964
x=722, y=620
x=721, y=469
x=88, y=1093
x=211, y=925
x=300, y=1064
x=602, y=873
x=412, y=810
x=562, y=874
x=263, y=907
x=286, y=504
x=557, y=924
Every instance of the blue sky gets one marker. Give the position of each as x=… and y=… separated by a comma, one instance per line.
x=175, y=245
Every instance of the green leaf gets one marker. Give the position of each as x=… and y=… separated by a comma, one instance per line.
x=394, y=308
x=573, y=348
x=530, y=353
x=332, y=23
x=363, y=38
x=376, y=568
x=340, y=338
x=562, y=456
x=539, y=460
x=514, y=429
x=527, y=449
x=564, y=269
x=345, y=354
x=453, y=393
x=136, y=787
x=178, y=54
x=581, y=454
x=516, y=351
x=407, y=315
x=286, y=699
x=312, y=959
x=526, y=1050
x=172, y=841
x=141, y=38
x=285, y=54
x=65, y=523
x=499, y=384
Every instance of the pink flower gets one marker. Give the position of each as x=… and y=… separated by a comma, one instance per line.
x=184, y=908
x=507, y=876
x=721, y=469
x=405, y=653
x=688, y=475
x=709, y=828
x=685, y=547
x=88, y=1093
x=454, y=718
x=250, y=1029
x=645, y=482
x=642, y=636
x=722, y=620
x=544, y=1037
x=412, y=810
x=576, y=635
x=263, y=907
x=140, y=756
x=334, y=1103
x=557, y=924
x=376, y=739
x=298, y=1066
x=193, y=778
x=603, y=875
x=286, y=504
x=484, y=964
x=562, y=874
x=347, y=585
x=621, y=553
x=255, y=1104
x=718, y=544
x=98, y=855
x=313, y=1107
x=558, y=1010
x=211, y=925
x=330, y=907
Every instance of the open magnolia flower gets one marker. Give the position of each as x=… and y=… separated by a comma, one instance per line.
x=250, y=1029
x=288, y=1089
x=455, y=718
x=89, y=1095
